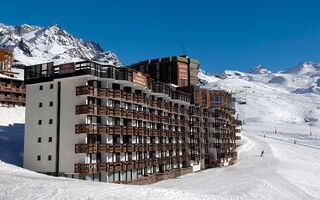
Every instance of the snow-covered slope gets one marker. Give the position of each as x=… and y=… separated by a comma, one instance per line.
x=35, y=44
x=12, y=134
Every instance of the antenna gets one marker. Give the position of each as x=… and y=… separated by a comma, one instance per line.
x=183, y=50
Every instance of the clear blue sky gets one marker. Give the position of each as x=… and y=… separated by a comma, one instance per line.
x=233, y=34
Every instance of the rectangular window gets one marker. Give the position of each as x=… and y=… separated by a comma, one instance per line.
x=50, y=139
x=51, y=103
x=38, y=157
x=40, y=122
x=50, y=121
x=211, y=100
x=41, y=87
x=39, y=139
x=49, y=157
x=196, y=98
x=203, y=99
x=40, y=105
x=51, y=86
x=216, y=100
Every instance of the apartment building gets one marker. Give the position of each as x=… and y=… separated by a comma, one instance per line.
x=117, y=124
x=12, y=90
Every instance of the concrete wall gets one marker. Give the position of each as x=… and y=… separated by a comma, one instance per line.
x=33, y=131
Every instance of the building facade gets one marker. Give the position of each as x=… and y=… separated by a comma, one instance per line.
x=12, y=90
x=6, y=60
x=117, y=124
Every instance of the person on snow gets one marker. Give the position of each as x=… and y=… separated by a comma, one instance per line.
x=262, y=152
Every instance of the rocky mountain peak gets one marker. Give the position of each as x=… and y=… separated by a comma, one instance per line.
x=35, y=44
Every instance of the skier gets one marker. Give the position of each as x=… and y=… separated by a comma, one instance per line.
x=262, y=152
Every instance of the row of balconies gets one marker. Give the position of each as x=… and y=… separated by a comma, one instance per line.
x=129, y=113
x=137, y=98
x=10, y=89
x=131, y=130
x=129, y=165
x=13, y=99
x=116, y=148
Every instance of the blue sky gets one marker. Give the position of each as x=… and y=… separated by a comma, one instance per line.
x=233, y=34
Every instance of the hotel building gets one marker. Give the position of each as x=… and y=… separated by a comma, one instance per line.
x=136, y=124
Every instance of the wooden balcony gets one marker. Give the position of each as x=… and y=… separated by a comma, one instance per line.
x=13, y=99
x=126, y=165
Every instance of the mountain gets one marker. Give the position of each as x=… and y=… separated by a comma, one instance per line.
x=303, y=78
x=259, y=69
x=35, y=44
x=290, y=96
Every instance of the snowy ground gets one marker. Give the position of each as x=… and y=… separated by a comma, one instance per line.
x=286, y=171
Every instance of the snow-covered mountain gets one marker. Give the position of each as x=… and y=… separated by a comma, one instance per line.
x=259, y=69
x=289, y=96
x=304, y=78
x=35, y=44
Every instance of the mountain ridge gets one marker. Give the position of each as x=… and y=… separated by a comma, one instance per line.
x=35, y=44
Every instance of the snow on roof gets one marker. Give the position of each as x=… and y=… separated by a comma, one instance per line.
x=19, y=74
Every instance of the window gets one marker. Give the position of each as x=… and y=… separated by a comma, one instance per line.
x=51, y=86
x=50, y=139
x=39, y=139
x=41, y=87
x=211, y=100
x=196, y=97
x=49, y=157
x=38, y=157
x=51, y=103
x=216, y=100
x=203, y=99
x=50, y=121
x=40, y=122
x=40, y=105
